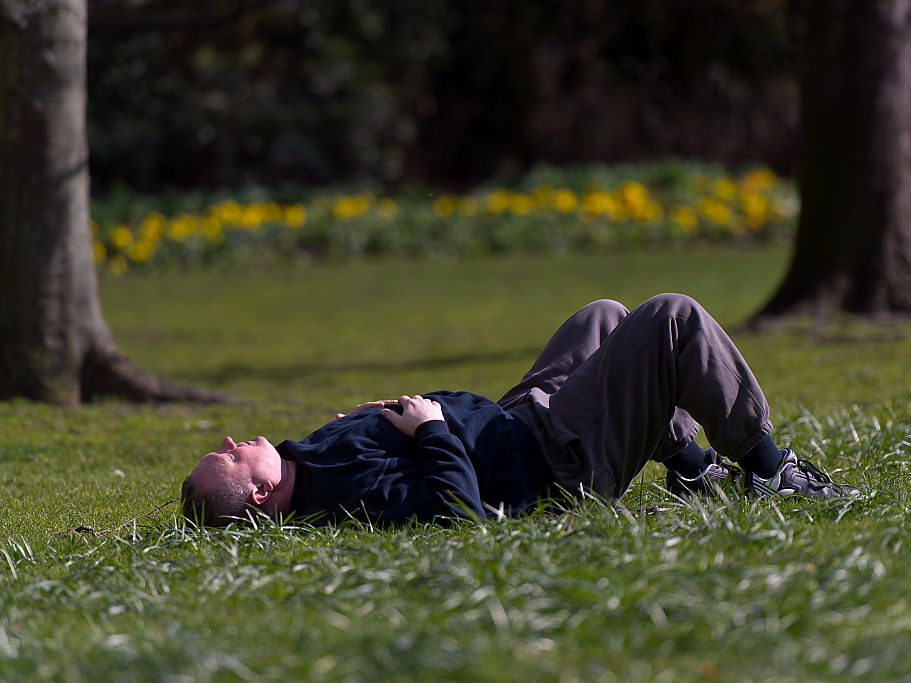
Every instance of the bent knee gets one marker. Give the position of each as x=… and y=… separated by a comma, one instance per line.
x=673, y=304
x=607, y=308
x=608, y=314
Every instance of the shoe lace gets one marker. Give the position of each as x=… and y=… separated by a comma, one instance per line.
x=812, y=471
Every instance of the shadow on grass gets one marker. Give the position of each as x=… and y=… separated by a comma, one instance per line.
x=305, y=371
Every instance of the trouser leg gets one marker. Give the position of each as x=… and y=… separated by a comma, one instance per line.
x=570, y=346
x=611, y=414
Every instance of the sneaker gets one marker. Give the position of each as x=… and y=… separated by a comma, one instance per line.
x=707, y=482
x=798, y=476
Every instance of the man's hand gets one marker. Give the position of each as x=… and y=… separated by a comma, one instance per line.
x=364, y=406
x=416, y=410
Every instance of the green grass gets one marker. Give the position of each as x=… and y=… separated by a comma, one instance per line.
x=651, y=590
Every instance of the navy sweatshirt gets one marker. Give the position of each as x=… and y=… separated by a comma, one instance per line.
x=363, y=465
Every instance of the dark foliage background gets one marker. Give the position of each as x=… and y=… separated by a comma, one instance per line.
x=446, y=92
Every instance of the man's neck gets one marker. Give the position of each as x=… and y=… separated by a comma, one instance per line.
x=284, y=490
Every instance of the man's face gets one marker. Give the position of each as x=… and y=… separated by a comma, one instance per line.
x=248, y=464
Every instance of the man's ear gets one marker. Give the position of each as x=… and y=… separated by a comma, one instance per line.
x=260, y=493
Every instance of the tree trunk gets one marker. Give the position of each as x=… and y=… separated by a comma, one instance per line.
x=853, y=245
x=54, y=343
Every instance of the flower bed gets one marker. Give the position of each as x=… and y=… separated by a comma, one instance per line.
x=592, y=208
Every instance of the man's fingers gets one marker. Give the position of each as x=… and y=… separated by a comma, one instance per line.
x=410, y=400
x=381, y=403
x=368, y=404
x=391, y=415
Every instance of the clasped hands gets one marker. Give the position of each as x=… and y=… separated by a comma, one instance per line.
x=416, y=410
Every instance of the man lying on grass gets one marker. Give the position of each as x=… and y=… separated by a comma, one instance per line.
x=612, y=390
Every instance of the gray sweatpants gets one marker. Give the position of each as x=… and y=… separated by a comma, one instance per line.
x=614, y=389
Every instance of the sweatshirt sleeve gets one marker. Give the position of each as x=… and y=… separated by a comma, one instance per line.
x=445, y=486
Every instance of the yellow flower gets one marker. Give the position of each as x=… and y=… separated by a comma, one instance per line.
x=118, y=264
x=725, y=188
x=152, y=226
x=346, y=207
x=633, y=194
x=93, y=227
x=182, y=227
x=387, y=208
x=443, y=206
x=714, y=210
x=294, y=215
x=252, y=216
x=565, y=201
x=141, y=251
x=120, y=237
x=637, y=204
x=99, y=253
x=650, y=211
x=520, y=204
x=686, y=218
x=754, y=207
x=498, y=201
x=758, y=179
x=228, y=211
x=599, y=202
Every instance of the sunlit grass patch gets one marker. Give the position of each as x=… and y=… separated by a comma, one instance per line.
x=655, y=588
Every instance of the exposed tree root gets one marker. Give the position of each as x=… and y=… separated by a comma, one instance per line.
x=113, y=374
x=814, y=315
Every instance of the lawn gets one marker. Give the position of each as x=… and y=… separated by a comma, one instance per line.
x=653, y=589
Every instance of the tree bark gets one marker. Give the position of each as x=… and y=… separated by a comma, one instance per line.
x=853, y=245
x=54, y=343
